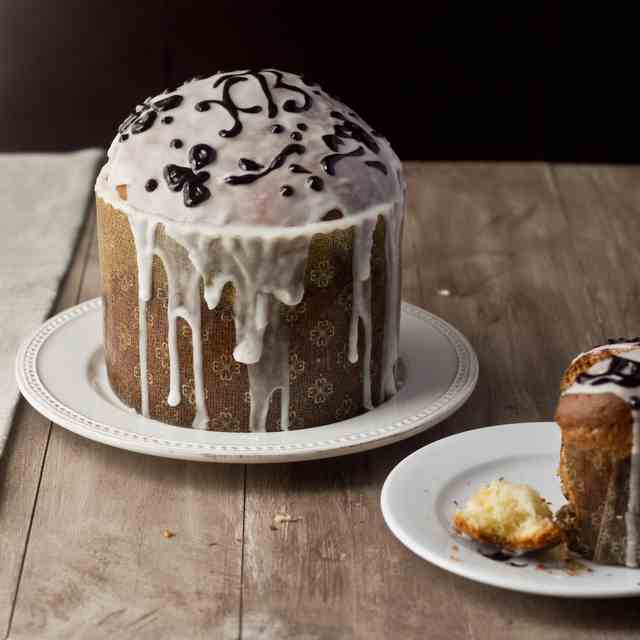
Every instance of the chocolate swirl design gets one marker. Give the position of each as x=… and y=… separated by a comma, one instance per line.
x=276, y=163
x=620, y=371
x=229, y=79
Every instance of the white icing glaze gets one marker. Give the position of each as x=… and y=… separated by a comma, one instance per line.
x=251, y=236
x=626, y=394
x=143, y=156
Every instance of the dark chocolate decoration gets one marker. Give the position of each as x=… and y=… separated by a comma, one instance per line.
x=318, y=93
x=276, y=163
x=332, y=141
x=229, y=79
x=298, y=168
x=349, y=129
x=277, y=128
x=375, y=164
x=302, y=126
x=329, y=162
x=124, y=136
x=200, y=155
x=227, y=103
x=334, y=214
x=315, y=183
x=296, y=135
x=143, y=121
x=165, y=104
x=621, y=371
x=246, y=164
x=151, y=185
x=190, y=183
x=286, y=191
x=144, y=115
x=176, y=143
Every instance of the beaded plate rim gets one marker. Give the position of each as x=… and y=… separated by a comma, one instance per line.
x=313, y=447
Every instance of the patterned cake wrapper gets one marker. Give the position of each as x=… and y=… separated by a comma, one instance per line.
x=325, y=386
x=596, y=482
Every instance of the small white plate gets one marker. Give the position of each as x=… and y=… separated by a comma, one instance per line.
x=419, y=498
x=61, y=372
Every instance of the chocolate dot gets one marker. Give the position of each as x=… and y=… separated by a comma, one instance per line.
x=202, y=106
x=302, y=126
x=167, y=120
x=334, y=214
x=296, y=135
x=315, y=183
x=124, y=136
x=176, y=143
x=277, y=128
x=151, y=185
x=286, y=191
x=318, y=93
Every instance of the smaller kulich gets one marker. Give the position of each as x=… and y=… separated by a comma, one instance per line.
x=250, y=230
x=599, y=417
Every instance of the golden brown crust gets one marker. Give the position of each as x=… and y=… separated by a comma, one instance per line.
x=544, y=537
x=325, y=386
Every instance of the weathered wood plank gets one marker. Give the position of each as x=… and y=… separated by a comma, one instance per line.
x=98, y=564
x=23, y=458
x=495, y=237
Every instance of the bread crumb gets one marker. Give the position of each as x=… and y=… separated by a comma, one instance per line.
x=279, y=518
x=167, y=533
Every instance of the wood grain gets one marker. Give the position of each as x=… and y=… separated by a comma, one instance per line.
x=538, y=262
x=22, y=462
x=98, y=563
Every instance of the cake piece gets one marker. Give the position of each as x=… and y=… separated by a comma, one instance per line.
x=512, y=517
x=249, y=228
x=599, y=467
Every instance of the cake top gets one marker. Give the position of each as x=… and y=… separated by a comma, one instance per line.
x=610, y=368
x=263, y=147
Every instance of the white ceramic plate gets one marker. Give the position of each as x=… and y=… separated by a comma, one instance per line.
x=61, y=372
x=418, y=503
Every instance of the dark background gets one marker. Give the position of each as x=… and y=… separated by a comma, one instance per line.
x=441, y=81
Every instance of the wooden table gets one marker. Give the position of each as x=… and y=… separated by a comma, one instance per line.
x=540, y=262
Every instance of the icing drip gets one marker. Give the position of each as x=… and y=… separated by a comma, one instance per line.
x=392, y=241
x=269, y=374
x=620, y=375
x=144, y=231
x=266, y=272
x=361, y=307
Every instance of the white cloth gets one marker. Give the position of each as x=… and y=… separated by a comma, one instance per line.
x=43, y=200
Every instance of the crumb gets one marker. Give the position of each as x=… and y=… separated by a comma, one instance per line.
x=444, y=292
x=455, y=547
x=167, y=533
x=213, y=544
x=279, y=518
